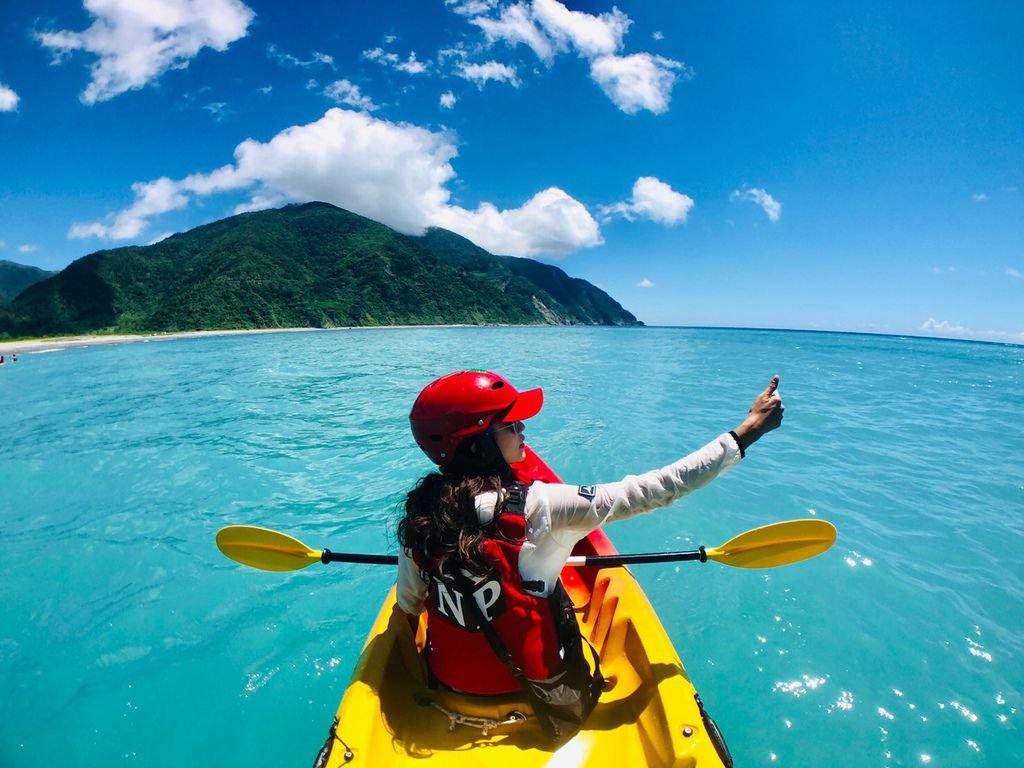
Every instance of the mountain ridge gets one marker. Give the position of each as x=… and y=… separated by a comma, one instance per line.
x=304, y=265
x=15, y=278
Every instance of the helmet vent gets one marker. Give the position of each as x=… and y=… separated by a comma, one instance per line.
x=498, y=385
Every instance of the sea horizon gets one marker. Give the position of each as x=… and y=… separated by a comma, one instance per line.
x=52, y=343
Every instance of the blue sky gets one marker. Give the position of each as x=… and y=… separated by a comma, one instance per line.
x=850, y=166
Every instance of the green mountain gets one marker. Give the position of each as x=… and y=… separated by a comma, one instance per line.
x=15, y=278
x=558, y=298
x=311, y=265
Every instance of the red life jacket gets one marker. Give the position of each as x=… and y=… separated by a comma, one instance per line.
x=460, y=656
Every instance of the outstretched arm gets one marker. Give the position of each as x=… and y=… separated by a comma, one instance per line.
x=578, y=510
x=558, y=515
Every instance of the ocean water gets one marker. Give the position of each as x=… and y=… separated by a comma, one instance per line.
x=126, y=638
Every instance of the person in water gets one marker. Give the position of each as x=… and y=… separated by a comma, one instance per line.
x=482, y=547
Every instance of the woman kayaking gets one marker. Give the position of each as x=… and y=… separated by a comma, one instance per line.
x=482, y=544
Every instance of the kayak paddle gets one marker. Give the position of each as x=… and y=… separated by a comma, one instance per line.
x=766, y=547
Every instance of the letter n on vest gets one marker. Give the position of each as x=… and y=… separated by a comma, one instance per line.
x=449, y=604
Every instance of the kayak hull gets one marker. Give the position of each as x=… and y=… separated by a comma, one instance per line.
x=648, y=715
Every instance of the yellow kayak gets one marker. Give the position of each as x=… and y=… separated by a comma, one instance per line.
x=648, y=715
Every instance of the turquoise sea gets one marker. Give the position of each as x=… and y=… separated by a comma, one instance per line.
x=126, y=638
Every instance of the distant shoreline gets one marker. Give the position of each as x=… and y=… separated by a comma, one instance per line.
x=880, y=334
x=70, y=342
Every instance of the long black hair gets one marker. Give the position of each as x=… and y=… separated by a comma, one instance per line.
x=440, y=521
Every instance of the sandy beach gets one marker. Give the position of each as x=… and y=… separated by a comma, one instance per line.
x=67, y=342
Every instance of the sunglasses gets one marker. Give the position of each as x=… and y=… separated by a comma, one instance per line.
x=517, y=428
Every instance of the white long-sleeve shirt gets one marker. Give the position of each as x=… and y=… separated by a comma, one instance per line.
x=557, y=515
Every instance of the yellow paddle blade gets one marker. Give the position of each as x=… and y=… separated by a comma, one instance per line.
x=777, y=544
x=264, y=549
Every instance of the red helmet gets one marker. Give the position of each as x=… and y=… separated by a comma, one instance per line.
x=460, y=405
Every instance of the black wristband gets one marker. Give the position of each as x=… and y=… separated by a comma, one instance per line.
x=738, y=443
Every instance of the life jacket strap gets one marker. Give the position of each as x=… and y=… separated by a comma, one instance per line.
x=515, y=502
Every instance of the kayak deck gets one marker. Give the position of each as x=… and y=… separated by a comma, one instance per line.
x=648, y=714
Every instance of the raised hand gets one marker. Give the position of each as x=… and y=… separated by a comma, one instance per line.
x=764, y=415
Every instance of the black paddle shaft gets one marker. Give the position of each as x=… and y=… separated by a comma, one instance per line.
x=597, y=561
x=356, y=557
x=648, y=557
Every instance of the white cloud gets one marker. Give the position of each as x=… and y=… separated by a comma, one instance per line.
x=491, y=70
x=344, y=92
x=218, y=110
x=946, y=328
x=8, y=99
x=316, y=58
x=548, y=27
x=28, y=248
x=943, y=270
x=591, y=36
x=658, y=35
x=942, y=326
x=550, y=223
x=411, y=66
x=136, y=41
x=471, y=7
x=458, y=52
x=1014, y=273
x=380, y=56
x=636, y=82
x=223, y=179
x=645, y=283
x=659, y=202
x=979, y=197
x=2, y=245
x=516, y=25
x=151, y=198
x=652, y=199
x=448, y=99
x=640, y=81
x=261, y=202
x=265, y=89
x=771, y=206
x=395, y=173
x=161, y=236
